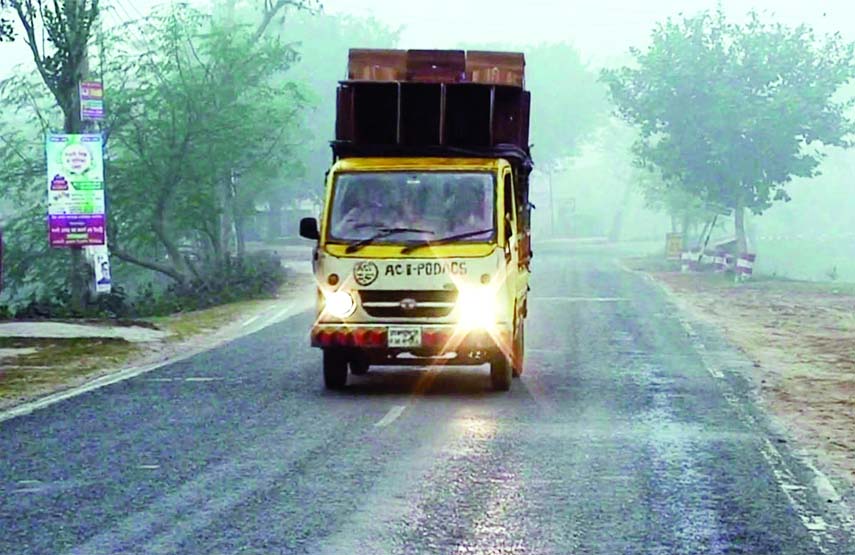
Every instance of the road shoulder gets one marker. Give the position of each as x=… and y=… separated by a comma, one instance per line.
x=800, y=340
x=44, y=362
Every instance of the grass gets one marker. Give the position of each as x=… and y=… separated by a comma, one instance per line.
x=187, y=324
x=33, y=372
x=46, y=364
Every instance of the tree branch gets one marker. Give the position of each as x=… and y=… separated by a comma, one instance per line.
x=148, y=264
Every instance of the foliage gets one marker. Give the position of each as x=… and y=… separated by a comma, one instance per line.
x=7, y=32
x=568, y=103
x=323, y=41
x=681, y=205
x=207, y=118
x=201, y=126
x=257, y=276
x=730, y=113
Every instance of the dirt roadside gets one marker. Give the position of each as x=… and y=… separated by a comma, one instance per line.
x=801, y=338
x=41, y=358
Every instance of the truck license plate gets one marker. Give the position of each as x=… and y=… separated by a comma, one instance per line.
x=404, y=337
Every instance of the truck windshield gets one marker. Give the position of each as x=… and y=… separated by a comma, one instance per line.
x=422, y=205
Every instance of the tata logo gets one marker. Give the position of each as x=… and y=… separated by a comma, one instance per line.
x=365, y=273
x=409, y=304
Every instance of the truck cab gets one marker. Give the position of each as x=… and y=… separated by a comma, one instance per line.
x=423, y=248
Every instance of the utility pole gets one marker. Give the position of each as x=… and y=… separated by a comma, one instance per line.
x=73, y=125
x=551, y=204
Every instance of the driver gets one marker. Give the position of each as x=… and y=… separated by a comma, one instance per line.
x=363, y=206
x=468, y=211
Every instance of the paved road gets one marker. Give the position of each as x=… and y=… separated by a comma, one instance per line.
x=628, y=434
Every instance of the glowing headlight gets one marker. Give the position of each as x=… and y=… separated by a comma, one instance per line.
x=476, y=307
x=340, y=304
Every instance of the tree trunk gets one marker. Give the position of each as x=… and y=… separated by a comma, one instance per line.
x=274, y=220
x=240, y=235
x=77, y=271
x=176, y=259
x=739, y=227
x=617, y=221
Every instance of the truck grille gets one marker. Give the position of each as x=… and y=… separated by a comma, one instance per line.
x=408, y=304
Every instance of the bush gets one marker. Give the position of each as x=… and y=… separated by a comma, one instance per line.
x=112, y=305
x=258, y=275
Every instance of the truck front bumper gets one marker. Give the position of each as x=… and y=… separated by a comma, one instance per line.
x=433, y=340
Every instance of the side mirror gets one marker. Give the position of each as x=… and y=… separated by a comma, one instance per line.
x=309, y=229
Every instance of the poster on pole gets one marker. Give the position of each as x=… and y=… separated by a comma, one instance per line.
x=673, y=246
x=75, y=177
x=99, y=257
x=91, y=101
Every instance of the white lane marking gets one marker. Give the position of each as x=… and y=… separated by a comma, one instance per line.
x=126, y=374
x=28, y=482
x=391, y=416
x=251, y=320
x=580, y=299
x=823, y=485
x=279, y=315
x=148, y=466
x=202, y=379
x=817, y=527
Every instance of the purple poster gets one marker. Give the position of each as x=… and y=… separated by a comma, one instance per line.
x=76, y=230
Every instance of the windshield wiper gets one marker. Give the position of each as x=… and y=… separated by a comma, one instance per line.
x=381, y=233
x=442, y=240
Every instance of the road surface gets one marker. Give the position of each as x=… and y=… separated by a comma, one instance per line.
x=630, y=432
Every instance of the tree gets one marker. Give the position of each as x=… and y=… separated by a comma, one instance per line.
x=323, y=41
x=199, y=130
x=7, y=32
x=568, y=103
x=729, y=112
x=68, y=26
x=683, y=207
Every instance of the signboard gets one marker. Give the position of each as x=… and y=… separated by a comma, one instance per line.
x=99, y=257
x=673, y=246
x=91, y=100
x=75, y=177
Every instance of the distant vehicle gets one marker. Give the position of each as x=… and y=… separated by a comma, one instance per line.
x=424, y=242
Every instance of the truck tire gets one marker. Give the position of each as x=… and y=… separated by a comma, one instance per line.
x=519, y=350
x=500, y=372
x=359, y=364
x=335, y=369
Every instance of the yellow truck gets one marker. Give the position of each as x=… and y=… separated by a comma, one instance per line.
x=423, y=247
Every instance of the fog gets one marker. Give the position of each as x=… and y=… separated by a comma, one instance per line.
x=810, y=237
x=590, y=191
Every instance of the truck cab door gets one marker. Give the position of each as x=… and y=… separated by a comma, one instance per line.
x=515, y=271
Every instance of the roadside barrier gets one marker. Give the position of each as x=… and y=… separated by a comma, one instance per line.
x=720, y=261
x=745, y=265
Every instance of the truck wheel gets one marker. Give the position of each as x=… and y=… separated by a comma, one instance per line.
x=519, y=350
x=359, y=364
x=335, y=369
x=500, y=372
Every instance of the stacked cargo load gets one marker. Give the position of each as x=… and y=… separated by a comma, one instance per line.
x=443, y=103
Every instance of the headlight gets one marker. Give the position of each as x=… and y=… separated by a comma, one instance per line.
x=340, y=304
x=476, y=307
